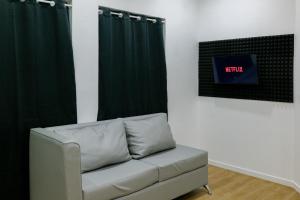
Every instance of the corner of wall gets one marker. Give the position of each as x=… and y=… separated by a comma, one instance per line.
x=297, y=98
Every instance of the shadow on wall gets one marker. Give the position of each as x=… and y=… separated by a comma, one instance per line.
x=249, y=106
x=264, y=108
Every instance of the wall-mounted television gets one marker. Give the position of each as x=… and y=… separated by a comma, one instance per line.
x=239, y=69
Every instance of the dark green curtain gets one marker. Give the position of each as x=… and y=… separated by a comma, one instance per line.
x=37, y=83
x=132, y=66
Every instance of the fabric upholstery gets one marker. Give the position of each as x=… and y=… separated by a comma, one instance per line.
x=177, y=161
x=172, y=188
x=118, y=180
x=83, y=125
x=132, y=66
x=100, y=145
x=148, y=136
x=55, y=171
x=54, y=167
x=37, y=83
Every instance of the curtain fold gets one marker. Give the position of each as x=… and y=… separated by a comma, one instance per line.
x=37, y=83
x=132, y=66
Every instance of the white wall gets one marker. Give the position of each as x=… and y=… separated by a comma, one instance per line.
x=257, y=136
x=297, y=93
x=85, y=44
x=253, y=135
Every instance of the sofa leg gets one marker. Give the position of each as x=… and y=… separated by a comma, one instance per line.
x=208, y=189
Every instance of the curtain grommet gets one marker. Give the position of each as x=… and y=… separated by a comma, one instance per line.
x=52, y=3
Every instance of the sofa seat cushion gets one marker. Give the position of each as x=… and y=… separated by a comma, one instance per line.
x=177, y=161
x=118, y=180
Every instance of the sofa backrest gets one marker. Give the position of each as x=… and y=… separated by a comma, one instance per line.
x=75, y=126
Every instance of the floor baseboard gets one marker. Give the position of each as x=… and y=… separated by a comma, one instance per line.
x=257, y=174
x=296, y=187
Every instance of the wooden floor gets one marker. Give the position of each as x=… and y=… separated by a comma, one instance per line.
x=228, y=185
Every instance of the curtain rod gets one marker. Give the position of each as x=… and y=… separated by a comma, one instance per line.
x=51, y=3
x=119, y=14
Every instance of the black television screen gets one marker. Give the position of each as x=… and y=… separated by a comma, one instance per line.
x=240, y=69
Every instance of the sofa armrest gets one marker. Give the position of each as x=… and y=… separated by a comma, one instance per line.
x=54, y=167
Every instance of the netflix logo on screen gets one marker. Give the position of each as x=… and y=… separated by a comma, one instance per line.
x=241, y=69
x=238, y=69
